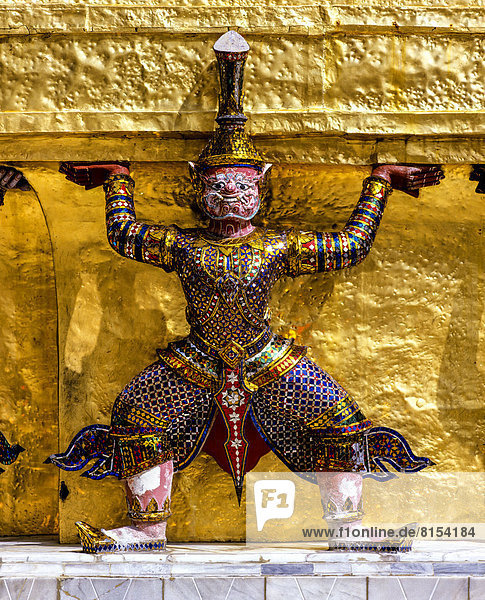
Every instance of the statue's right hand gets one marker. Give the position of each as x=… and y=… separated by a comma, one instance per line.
x=10, y=179
x=94, y=174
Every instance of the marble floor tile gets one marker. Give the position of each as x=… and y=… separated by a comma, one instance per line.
x=451, y=588
x=28, y=589
x=349, y=588
x=316, y=588
x=418, y=588
x=84, y=588
x=145, y=589
x=477, y=588
x=214, y=588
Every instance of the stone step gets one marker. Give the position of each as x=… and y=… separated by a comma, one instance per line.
x=41, y=569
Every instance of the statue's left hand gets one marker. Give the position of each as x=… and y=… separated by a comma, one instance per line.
x=11, y=179
x=410, y=178
x=92, y=174
x=478, y=174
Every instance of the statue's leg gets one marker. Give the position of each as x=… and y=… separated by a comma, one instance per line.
x=341, y=495
x=148, y=497
x=157, y=420
x=325, y=433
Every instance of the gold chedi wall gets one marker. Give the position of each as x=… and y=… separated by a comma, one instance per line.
x=330, y=90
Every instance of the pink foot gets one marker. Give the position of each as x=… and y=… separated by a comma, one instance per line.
x=143, y=532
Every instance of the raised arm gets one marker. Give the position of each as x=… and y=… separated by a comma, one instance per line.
x=127, y=236
x=312, y=251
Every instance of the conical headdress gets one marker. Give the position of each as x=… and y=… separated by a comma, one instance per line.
x=230, y=145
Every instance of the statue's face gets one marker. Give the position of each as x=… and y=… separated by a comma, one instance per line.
x=231, y=192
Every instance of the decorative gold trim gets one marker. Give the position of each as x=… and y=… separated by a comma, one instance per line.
x=113, y=183
x=249, y=345
x=139, y=416
x=294, y=251
x=253, y=239
x=337, y=454
x=280, y=366
x=152, y=513
x=334, y=411
x=143, y=437
x=271, y=365
x=185, y=369
x=166, y=244
x=232, y=354
x=370, y=183
x=331, y=512
x=231, y=146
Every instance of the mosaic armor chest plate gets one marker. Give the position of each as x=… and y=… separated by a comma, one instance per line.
x=227, y=286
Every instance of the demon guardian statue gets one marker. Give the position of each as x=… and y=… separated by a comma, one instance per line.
x=233, y=388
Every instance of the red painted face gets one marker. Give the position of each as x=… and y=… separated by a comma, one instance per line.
x=231, y=192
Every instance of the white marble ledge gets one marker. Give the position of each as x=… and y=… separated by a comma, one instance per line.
x=47, y=549
x=31, y=554
x=422, y=552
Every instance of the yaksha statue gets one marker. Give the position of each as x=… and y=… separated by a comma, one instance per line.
x=233, y=388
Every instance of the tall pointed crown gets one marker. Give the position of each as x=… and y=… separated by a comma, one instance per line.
x=230, y=145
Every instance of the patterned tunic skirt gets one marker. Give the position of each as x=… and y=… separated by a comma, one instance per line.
x=305, y=417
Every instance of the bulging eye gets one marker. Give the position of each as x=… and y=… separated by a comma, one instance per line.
x=218, y=185
x=242, y=186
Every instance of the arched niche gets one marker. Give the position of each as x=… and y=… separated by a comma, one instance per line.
x=28, y=364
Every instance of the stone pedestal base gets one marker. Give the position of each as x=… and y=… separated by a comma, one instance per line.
x=41, y=569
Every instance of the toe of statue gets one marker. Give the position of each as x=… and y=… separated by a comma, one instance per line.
x=95, y=541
